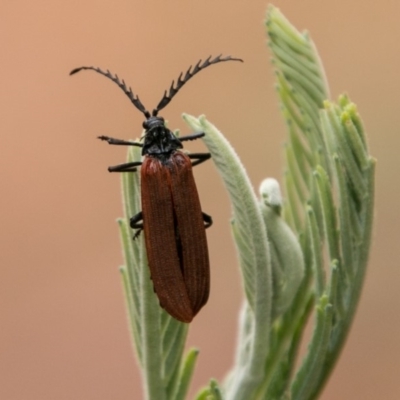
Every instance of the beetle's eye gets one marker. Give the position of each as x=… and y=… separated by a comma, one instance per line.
x=145, y=126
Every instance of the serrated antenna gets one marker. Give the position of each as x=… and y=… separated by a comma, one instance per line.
x=173, y=90
x=128, y=91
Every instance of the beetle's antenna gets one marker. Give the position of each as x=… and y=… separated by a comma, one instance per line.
x=173, y=90
x=128, y=91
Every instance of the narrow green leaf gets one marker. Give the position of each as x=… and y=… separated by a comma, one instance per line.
x=316, y=252
x=328, y=212
x=284, y=53
x=354, y=140
x=351, y=110
x=215, y=390
x=368, y=217
x=345, y=153
x=131, y=204
x=294, y=212
x=133, y=318
x=151, y=344
x=293, y=112
x=245, y=262
x=250, y=227
x=313, y=363
x=299, y=81
x=173, y=346
x=303, y=156
x=203, y=394
x=131, y=259
x=346, y=232
x=131, y=190
x=295, y=172
x=185, y=375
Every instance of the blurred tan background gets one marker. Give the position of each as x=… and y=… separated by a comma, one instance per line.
x=63, y=332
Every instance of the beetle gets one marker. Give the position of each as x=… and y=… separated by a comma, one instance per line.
x=171, y=217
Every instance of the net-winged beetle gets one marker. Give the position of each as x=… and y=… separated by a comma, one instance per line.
x=171, y=217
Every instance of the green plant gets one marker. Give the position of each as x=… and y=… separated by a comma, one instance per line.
x=304, y=256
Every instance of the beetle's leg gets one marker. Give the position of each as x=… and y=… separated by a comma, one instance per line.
x=127, y=167
x=207, y=220
x=199, y=157
x=119, y=142
x=135, y=223
x=193, y=136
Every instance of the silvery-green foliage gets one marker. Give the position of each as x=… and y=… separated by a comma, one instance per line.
x=301, y=255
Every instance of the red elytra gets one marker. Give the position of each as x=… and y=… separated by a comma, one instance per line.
x=175, y=235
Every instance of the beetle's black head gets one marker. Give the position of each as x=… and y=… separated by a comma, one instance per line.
x=158, y=139
x=153, y=122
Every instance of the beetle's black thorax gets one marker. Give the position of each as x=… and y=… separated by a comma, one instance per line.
x=159, y=141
